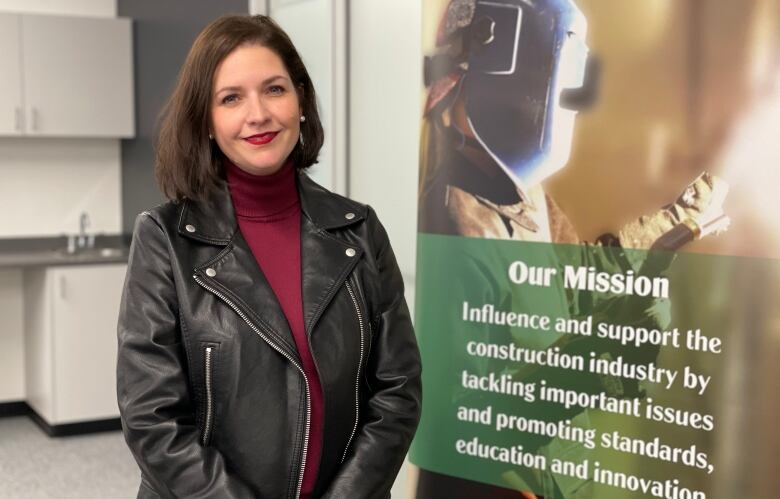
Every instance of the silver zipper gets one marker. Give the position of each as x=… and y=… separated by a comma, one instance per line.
x=288, y=357
x=209, y=398
x=357, y=376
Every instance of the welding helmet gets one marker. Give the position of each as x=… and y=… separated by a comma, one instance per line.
x=524, y=69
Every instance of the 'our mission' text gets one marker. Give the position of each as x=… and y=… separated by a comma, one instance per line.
x=589, y=279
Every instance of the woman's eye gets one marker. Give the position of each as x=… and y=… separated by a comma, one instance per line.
x=276, y=89
x=229, y=98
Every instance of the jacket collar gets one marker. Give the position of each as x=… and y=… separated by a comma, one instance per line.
x=326, y=261
x=214, y=222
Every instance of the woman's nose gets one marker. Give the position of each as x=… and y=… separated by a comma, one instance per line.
x=256, y=111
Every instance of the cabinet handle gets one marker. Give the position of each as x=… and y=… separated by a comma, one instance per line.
x=18, y=118
x=63, y=289
x=34, y=118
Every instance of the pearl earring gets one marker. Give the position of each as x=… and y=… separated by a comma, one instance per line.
x=303, y=118
x=211, y=137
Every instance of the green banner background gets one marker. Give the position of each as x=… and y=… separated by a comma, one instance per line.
x=454, y=269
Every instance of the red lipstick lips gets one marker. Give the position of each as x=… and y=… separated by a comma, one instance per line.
x=261, y=138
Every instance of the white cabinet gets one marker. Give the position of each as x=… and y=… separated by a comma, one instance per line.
x=74, y=76
x=11, y=336
x=11, y=109
x=70, y=341
x=78, y=78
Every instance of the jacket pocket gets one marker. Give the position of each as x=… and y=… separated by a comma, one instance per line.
x=209, y=368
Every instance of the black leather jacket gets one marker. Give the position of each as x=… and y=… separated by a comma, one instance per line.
x=213, y=399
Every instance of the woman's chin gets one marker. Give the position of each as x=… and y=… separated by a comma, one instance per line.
x=260, y=167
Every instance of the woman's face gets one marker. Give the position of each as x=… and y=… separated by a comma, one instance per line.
x=255, y=112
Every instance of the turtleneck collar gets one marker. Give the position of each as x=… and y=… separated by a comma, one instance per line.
x=262, y=196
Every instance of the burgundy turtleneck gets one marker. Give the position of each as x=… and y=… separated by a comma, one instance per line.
x=269, y=217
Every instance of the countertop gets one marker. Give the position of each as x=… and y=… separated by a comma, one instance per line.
x=43, y=252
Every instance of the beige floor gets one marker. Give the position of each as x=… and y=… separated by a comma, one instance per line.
x=34, y=466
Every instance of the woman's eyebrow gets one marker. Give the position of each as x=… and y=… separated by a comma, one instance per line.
x=272, y=78
x=231, y=89
x=265, y=82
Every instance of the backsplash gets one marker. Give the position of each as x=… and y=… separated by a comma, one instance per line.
x=45, y=185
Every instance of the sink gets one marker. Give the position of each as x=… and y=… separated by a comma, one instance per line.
x=92, y=253
x=110, y=252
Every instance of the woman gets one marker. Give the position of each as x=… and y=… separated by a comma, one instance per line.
x=265, y=346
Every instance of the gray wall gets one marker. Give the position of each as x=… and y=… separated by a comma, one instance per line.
x=162, y=34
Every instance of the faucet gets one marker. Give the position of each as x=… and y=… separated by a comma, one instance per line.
x=83, y=224
x=81, y=240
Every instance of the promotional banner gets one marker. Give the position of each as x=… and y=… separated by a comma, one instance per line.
x=597, y=264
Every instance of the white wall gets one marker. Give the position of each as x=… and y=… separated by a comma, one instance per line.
x=385, y=89
x=384, y=93
x=48, y=182
x=385, y=85
x=317, y=28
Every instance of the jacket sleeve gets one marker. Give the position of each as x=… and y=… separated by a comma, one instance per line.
x=158, y=415
x=390, y=416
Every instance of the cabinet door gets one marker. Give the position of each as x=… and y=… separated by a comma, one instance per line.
x=11, y=110
x=85, y=307
x=78, y=77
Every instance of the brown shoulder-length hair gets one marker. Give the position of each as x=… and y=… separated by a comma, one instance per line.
x=188, y=164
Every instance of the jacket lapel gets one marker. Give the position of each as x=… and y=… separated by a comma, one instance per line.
x=238, y=277
x=326, y=260
x=233, y=273
x=325, y=264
